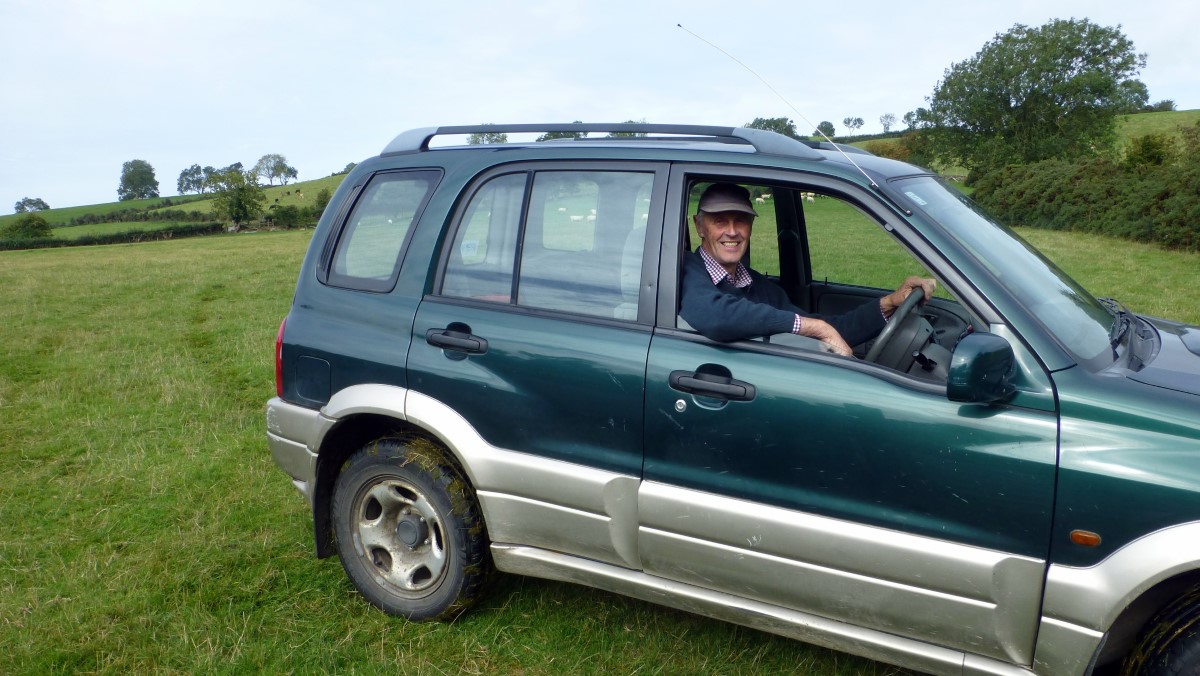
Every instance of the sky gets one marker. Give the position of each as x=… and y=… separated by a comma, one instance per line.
x=86, y=86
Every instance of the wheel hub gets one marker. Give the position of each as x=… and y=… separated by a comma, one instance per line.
x=412, y=530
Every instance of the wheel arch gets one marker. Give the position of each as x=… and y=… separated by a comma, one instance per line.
x=1117, y=597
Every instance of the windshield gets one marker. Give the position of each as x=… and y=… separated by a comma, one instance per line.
x=1079, y=322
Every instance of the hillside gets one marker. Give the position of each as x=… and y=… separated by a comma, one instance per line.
x=1128, y=126
x=301, y=193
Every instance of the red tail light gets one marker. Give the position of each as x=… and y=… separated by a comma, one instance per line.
x=279, y=359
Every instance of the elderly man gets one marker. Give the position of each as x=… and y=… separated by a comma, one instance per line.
x=726, y=300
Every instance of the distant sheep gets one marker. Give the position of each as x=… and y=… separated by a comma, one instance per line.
x=760, y=200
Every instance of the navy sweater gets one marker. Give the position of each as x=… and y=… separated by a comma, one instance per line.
x=724, y=312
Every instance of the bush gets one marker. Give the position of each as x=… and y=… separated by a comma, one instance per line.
x=1152, y=196
x=1150, y=150
x=287, y=216
x=29, y=225
x=894, y=150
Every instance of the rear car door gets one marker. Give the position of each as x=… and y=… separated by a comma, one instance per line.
x=536, y=334
x=841, y=488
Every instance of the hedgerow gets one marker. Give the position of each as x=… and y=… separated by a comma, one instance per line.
x=125, y=237
x=1152, y=195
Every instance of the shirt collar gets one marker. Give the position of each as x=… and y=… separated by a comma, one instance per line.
x=740, y=279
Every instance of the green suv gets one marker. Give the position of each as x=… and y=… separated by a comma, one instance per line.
x=484, y=369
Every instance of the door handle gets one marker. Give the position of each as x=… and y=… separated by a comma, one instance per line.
x=449, y=339
x=712, y=385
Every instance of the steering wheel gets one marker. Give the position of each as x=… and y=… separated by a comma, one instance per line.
x=894, y=323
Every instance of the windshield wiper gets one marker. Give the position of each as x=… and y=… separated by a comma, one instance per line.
x=1122, y=319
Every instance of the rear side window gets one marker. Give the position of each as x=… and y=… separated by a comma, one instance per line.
x=372, y=243
x=574, y=241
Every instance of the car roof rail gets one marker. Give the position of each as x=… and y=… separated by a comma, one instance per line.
x=763, y=141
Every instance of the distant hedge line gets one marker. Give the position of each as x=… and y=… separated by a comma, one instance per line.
x=1100, y=197
x=114, y=237
x=135, y=215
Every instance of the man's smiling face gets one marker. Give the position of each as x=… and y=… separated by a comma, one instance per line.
x=725, y=235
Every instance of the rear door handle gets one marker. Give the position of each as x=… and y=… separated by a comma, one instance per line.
x=712, y=385
x=448, y=339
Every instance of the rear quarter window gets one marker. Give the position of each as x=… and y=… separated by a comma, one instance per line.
x=372, y=241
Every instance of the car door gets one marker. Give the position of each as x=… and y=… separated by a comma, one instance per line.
x=832, y=486
x=536, y=335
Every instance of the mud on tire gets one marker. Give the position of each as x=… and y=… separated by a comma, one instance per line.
x=409, y=531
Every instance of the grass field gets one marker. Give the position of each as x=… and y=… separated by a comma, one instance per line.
x=144, y=527
x=1133, y=126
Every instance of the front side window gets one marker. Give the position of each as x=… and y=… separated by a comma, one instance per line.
x=369, y=251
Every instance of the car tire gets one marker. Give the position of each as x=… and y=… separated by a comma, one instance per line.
x=1170, y=645
x=408, y=530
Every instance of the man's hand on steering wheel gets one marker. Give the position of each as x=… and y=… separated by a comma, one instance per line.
x=890, y=302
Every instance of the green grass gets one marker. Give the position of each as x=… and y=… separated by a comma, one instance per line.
x=63, y=216
x=1133, y=126
x=144, y=526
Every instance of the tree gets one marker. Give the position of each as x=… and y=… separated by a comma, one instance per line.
x=887, y=121
x=853, y=123
x=209, y=182
x=322, y=201
x=1035, y=93
x=238, y=197
x=628, y=134
x=910, y=119
x=191, y=180
x=779, y=125
x=487, y=138
x=552, y=135
x=825, y=129
x=1164, y=106
x=28, y=204
x=137, y=181
x=274, y=166
x=27, y=226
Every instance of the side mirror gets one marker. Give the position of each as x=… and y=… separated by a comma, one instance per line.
x=981, y=370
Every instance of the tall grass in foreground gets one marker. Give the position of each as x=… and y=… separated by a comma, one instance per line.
x=144, y=527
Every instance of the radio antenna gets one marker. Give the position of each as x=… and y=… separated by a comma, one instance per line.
x=785, y=101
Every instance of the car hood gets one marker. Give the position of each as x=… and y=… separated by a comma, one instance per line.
x=1177, y=364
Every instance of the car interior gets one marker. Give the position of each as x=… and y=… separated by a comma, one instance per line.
x=811, y=244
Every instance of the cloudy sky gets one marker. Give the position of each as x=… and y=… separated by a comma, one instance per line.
x=89, y=85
